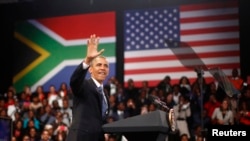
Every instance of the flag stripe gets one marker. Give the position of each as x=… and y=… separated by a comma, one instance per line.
x=174, y=75
x=215, y=42
x=207, y=12
x=212, y=6
x=209, y=18
x=209, y=36
x=210, y=30
x=82, y=25
x=177, y=69
x=183, y=56
x=209, y=24
x=167, y=51
x=188, y=62
x=71, y=42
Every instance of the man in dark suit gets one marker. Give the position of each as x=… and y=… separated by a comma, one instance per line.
x=89, y=109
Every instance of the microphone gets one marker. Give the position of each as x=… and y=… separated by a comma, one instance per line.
x=157, y=101
x=170, y=116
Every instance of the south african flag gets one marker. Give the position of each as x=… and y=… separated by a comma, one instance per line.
x=49, y=49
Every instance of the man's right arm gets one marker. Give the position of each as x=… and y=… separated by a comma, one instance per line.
x=77, y=78
x=85, y=65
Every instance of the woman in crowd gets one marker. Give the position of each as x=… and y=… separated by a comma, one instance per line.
x=223, y=115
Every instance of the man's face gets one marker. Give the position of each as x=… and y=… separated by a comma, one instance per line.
x=45, y=135
x=99, y=69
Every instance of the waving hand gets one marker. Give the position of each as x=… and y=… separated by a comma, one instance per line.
x=92, y=48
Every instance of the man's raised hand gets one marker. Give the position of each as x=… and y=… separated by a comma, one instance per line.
x=92, y=48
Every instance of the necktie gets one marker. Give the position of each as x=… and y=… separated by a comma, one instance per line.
x=104, y=103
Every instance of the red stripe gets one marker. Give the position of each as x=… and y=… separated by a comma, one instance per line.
x=82, y=26
x=183, y=56
x=232, y=3
x=214, y=42
x=209, y=30
x=209, y=18
x=178, y=69
x=153, y=83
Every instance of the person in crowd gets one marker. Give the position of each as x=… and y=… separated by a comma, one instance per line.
x=58, y=124
x=30, y=125
x=182, y=112
x=165, y=84
x=111, y=85
x=211, y=104
x=13, y=138
x=17, y=116
x=47, y=117
x=120, y=94
x=223, y=115
x=169, y=100
x=121, y=112
x=215, y=88
x=196, y=103
x=52, y=94
x=243, y=114
x=31, y=117
x=112, y=104
x=23, y=100
x=25, y=108
x=184, y=137
x=144, y=109
x=40, y=93
x=152, y=107
x=196, y=133
x=245, y=96
x=176, y=93
x=145, y=87
x=26, y=137
x=112, y=138
x=142, y=99
x=35, y=103
x=131, y=91
x=63, y=90
x=34, y=134
x=10, y=99
x=236, y=79
x=184, y=82
x=45, y=102
x=28, y=93
x=2, y=104
x=162, y=95
x=12, y=109
x=55, y=107
x=90, y=103
x=3, y=113
x=45, y=136
x=18, y=129
x=60, y=135
x=50, y=129
x=132, y=107
x=67, y=112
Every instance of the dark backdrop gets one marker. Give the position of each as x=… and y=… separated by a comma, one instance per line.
x=26, y=9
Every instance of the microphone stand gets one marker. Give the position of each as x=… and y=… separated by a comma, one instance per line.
x=200, y=73
x=170, y=117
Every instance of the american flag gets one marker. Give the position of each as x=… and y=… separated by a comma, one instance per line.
x=175, y=40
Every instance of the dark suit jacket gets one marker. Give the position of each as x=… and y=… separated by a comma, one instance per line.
x=87, y=118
